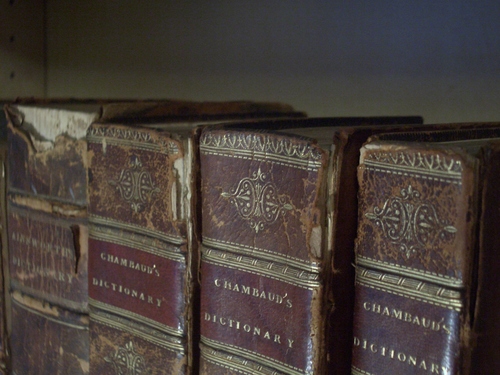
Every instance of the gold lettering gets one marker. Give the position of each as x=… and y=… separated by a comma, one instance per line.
x=250, y=329
x=44, y=272
x=254, y=292
x=398, y=314
x=406, y=316
x=124, y=262
x=126, y=291
x=364, y=344
x=402, y=357
x=43, y=247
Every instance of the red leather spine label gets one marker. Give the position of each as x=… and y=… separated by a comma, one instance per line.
x=400, y=335
x=141, y=283
x=43, y=258
x=257, y=316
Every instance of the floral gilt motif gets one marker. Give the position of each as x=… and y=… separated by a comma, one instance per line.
x=126, y=361
x=411, y=223
x=135, y=185
x=257, y=201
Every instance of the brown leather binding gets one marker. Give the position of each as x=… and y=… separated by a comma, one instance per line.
x=263, y=264
x=420, y=307
x=48, y=239
x=143, y=184
x=140, y=277
x=61, y=336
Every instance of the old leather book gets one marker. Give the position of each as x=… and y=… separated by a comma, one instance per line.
x=4, y=279
x=347, y=143
x=48, y=225
x=143, y=213
x=427, y=253
x=47, y=242
x=269, y=202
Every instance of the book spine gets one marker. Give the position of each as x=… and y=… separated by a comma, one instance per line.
x=263, y=255
x=5, y=316
x=61, y=335
x=413, y=260
x=48, y=255
x=48, y=258
x=52, y=170
x=140, y=276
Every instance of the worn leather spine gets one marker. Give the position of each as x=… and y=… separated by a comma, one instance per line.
x=4, y=269
x=414, y=260
x=61, y=338
x=264, y=257
x=141, y=284
x=47, y=243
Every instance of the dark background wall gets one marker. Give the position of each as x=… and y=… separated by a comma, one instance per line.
x=439, y=59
